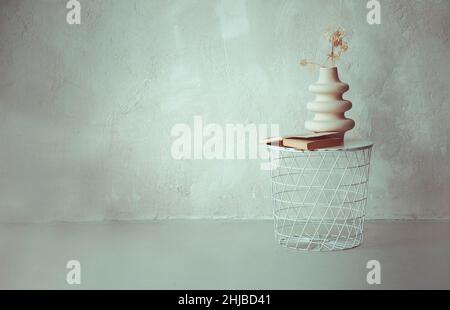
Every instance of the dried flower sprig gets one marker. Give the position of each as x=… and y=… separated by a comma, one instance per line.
x=338, y=47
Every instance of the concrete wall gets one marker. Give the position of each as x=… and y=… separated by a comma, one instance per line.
x=86, y=111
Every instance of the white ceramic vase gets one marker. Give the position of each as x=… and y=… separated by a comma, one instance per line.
x=329, y=106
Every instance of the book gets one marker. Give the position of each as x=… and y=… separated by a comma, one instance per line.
x=313, y=141
x=306, y=135
x=313, y=135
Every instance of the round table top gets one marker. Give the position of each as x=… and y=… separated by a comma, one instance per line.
x=350, y=144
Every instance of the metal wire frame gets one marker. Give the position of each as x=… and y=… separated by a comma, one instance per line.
x=319, y=197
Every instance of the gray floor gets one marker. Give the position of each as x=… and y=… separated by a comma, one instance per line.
x=217, y=255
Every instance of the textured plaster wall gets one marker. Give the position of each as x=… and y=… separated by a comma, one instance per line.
x=86, y=111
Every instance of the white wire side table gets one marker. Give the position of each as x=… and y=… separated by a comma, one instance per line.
x=319, y=197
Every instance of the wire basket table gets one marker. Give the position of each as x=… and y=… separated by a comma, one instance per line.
x=319, y=197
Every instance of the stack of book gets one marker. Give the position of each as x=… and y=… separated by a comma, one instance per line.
x=309, y=141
